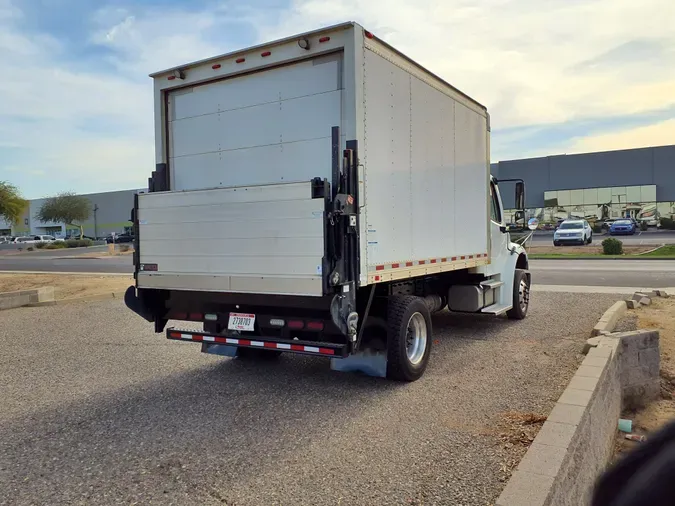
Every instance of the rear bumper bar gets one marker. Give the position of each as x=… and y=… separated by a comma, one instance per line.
x=260, y=342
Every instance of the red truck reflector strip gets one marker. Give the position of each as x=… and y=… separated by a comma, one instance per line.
x=249, y=342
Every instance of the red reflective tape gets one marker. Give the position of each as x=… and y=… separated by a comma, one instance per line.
x=377, y=278
x=270, y=345
x=470, y=257
x=326, y=351
x=408, y=264
x=453, y=258
x=297, y=347
x=395, y=266
x=444, y=259
x=197, y=338
x=433, y=261
x=462, y=258
x=244, y=342
x=174, y=334
x=421, y=262
x=379, y=267
x=220, y=340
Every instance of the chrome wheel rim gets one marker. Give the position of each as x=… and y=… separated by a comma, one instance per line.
x=523, y=295
x=416, y=338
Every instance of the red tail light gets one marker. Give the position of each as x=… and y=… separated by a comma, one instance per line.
x=196, y=316
x=295, y=324
x=216, y=66
x=314, y=325
x=266, y=53
x=240, y=60
x=324, y=39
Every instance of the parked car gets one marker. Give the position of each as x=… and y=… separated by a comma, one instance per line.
x=45, y=238
x=6, y=239
x=121, y=238
x=623, y=227
x=573, y=232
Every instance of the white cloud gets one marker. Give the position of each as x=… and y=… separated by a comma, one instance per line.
x=658, y=134
x=530, y=63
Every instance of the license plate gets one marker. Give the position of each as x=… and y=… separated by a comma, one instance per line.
x=241, y=321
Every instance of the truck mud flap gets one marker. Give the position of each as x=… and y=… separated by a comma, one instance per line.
x=260, y=342
x=368, y=362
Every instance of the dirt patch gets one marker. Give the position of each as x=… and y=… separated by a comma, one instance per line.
x=591, y=249
x=517, y=430
x=659, y=315
x=66, y=286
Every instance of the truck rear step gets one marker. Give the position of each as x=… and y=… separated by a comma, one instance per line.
x=260, y=342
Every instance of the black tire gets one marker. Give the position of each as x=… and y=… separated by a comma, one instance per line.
x=399, y=316
x=590, y=238
x=556, y=243
x=518, y=311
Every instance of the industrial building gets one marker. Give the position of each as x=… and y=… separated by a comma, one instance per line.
x=110, y=212
x=595, y=186
x=603, y=185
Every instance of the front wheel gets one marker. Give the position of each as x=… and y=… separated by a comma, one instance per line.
x=521, y=295
x=590, y=239
x=408, y=338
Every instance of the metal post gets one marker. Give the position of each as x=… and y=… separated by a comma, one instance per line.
x=95, y=222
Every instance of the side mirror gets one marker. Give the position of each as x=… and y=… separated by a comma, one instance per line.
x=520, y=195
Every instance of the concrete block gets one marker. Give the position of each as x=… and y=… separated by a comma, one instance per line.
x=639, y=339
x=526, y=489
x=609, y=319
x=575, y=397
x=595, y=361
x=9, y=300
x=590, y=371
x=649, y=360
x=566, y=413
x=600, y=351
x=556, y=434
x=591, y=342
x=542, y=459
x=639, y=395
x=583, y=383
x=631, y=304
x=645, y=301
x=638, y=295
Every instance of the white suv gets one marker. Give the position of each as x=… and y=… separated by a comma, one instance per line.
x=573, y=232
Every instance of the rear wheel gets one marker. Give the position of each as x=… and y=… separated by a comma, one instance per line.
x=590, y=238
x=521, y=296
x=408, y=338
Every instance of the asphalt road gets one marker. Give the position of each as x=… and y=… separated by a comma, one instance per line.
x=636, y=273
x=97, y=409
x=625, y=273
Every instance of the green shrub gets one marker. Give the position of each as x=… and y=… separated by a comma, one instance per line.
x=30, y=248
x=78, y=243
x=56, y=245
x=612, y=246
x=40, y=245
x=667, y=223
x=643, y=225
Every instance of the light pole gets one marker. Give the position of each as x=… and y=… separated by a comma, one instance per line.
x=95, y=222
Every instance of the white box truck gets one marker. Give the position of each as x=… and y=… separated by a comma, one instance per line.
x=321, y=194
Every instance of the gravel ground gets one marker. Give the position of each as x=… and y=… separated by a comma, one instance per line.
x=97, y=409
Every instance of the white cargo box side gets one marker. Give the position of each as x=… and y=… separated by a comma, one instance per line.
x=426, y=171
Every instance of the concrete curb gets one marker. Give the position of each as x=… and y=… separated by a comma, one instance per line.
x=11, y=300
x=609, y=320
x=577, y=440
x=103, y=296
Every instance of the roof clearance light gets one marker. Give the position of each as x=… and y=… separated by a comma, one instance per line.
x=171, y=78
x=216, y=66
x=240, y=60
x=324, y=39
x=266, y=53
x=304, y=44
x=368, y=34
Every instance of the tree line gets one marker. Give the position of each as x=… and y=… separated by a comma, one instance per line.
x=66, y=207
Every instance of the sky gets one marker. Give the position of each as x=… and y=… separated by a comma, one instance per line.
x=558, y=76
